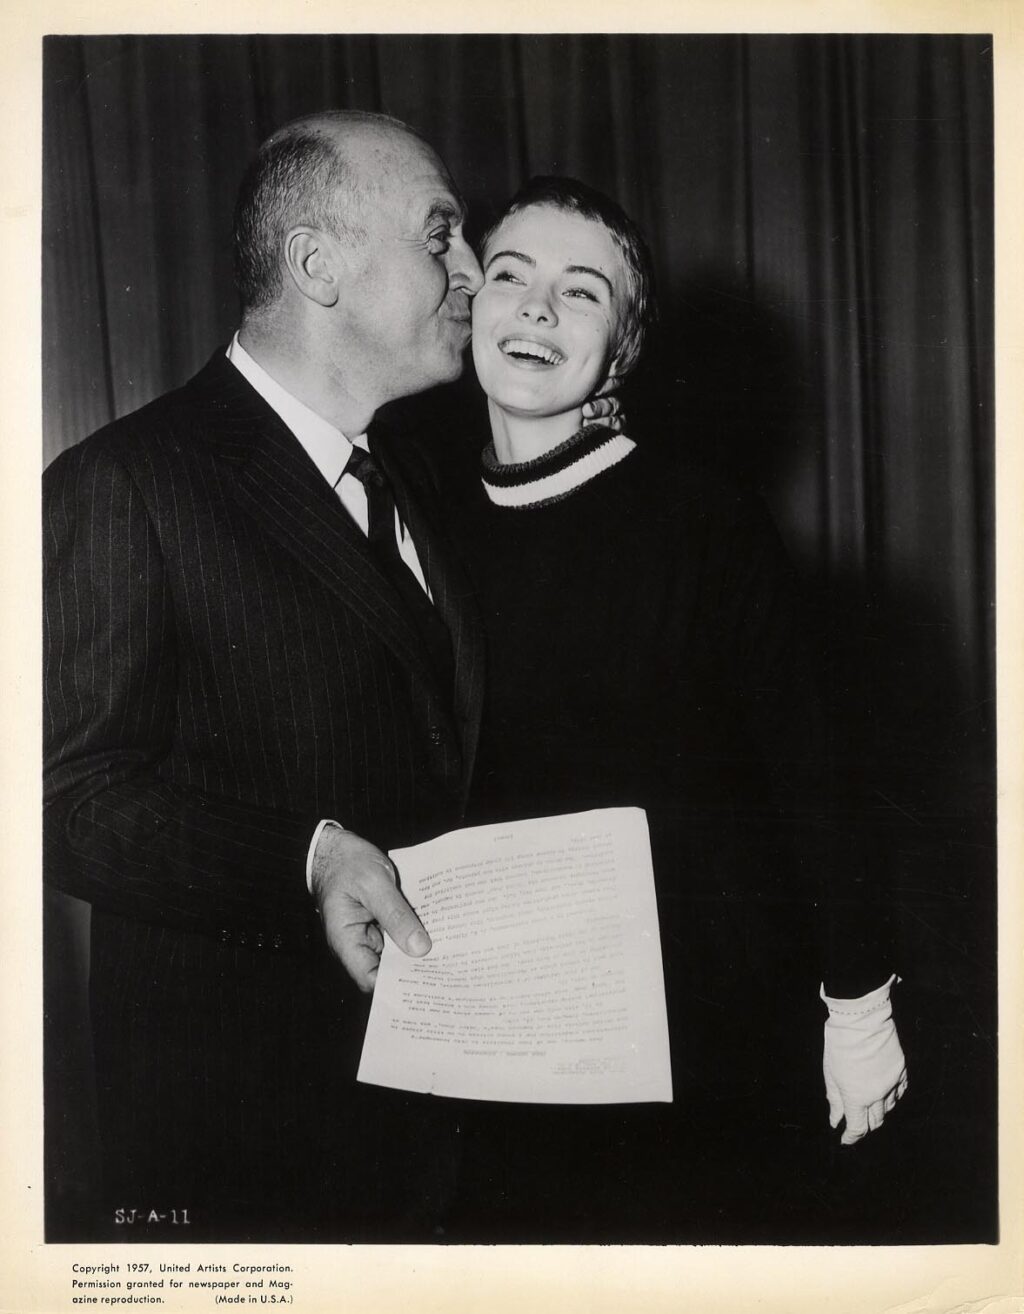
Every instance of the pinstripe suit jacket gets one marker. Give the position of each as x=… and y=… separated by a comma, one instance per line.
x=224, y=665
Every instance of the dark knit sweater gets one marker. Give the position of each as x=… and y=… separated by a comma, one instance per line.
x=645, y=645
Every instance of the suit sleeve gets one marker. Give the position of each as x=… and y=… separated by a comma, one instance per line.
x=780, y=678
x=118, y=831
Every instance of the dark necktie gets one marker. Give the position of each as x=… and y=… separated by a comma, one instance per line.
x=380, y=505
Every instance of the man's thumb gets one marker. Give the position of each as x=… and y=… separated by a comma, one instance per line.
x=397, y=919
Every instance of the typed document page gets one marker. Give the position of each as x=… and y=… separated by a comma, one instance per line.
x=544, y=983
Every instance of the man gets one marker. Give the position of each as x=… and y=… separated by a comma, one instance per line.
x=247, y=651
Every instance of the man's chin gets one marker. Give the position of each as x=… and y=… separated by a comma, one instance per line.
x=456, y=364
x=445, y=373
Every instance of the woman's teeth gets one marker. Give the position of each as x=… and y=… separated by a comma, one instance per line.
x=521, y=349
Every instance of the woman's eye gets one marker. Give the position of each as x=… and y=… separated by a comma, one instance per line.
x=583, y=292
x=504, y=276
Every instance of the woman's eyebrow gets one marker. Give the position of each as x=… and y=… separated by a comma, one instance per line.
x=594, y=273
x=569, y=269
x=516, y=255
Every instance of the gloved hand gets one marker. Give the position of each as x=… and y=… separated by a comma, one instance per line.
x=865, y=1071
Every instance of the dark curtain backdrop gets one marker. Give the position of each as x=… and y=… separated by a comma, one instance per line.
x=820, y=213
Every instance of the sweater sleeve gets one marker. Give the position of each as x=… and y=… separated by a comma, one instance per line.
x=118, y=831
x=779, y=679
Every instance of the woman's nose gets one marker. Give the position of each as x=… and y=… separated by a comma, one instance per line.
x=537, y=309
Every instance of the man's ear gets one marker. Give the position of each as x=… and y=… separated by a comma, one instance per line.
x=310, y=262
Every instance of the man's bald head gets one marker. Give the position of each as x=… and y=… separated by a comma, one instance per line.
x=316, y=172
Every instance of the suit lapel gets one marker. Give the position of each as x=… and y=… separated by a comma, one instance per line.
x=276, y=482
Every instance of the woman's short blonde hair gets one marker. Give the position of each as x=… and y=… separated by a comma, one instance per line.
x=575, y=197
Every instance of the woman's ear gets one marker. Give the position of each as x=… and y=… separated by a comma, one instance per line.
x=308, y=259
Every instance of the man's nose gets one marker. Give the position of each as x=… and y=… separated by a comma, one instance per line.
x=464, y=273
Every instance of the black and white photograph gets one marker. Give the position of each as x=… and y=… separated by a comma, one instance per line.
x=519, y=664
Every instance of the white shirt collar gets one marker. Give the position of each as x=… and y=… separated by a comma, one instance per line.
x=327, y=447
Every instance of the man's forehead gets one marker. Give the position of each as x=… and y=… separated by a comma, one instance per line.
x=426, y=186
x=406, y=175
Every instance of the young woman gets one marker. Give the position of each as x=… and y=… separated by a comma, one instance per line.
x=644, y=648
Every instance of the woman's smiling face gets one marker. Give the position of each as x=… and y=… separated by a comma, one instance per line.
x=546, y=319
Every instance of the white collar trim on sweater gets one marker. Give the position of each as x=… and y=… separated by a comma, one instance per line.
x=545, y=488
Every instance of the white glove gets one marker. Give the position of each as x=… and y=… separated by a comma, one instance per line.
x=865, y=1071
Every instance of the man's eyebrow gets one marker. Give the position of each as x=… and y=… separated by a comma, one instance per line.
x=447, y=208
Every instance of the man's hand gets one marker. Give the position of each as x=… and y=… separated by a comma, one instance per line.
x=353, y=884
x=604, y=408
x=865, y=1071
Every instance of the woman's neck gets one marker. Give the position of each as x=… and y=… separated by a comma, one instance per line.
x=519, y=438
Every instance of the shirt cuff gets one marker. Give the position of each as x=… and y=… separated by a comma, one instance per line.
x=312, y=848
